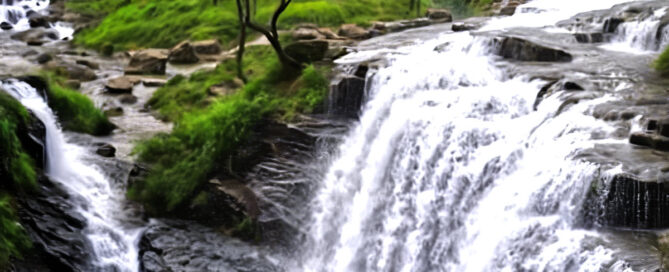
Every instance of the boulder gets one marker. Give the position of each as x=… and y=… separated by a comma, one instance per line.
x=524, y=50
x=88, y=64
x=307, y=34
x=36, y=36
x=458, y=27
x=654, y=141
x=38, y=20
x=122, y=84
x=128, y=99
x=347, y=97
x=353, y=31
x=105, y=150
x=6, y=26
x=148, y=61
x=439, y=14
x=183, y=53
x=72, y=71
x=44, y=58
x=207, y=47
x=589, y=37
x=328, y=33
x=244, y=198
x=114, y=112
x=307, y=51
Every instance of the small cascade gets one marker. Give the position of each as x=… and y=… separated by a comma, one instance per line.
x=15, y=12
x=647, y=32
x=110, y=228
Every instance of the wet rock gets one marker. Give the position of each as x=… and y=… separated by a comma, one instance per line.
x=128, y=99
x=88, y=64
x=611, y=24
x=439, y=14
x=207, y=47
x=148, y=61
x=654, y=141
x=307, y=34
x=114, y=112
x=72, y=71
x=353, y=31
x=307, y=51
x=663, y=127
x=244, y=199
x=152, y=262
x=6, y=26
x=347, y=97
x=44, y=58
x=664, y=22
x=524, y=50
x=123, y=84
x=153, y=82
x=105, y=150
x=36, y=36
x=509, y=9
x=571, y=86
x=38, y=20
x=589, y=37
x=635, y=203
x=458, y=27
x=183, y=53
x=137, y=174
x=362, y=70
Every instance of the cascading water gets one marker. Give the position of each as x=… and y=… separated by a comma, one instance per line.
x=451, y=169
x=110, y=227
x=17, y=13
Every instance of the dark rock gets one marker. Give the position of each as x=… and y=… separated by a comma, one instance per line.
x=611, y=24
x=571, y=86
x=362, y=70
x=347, y=97
x=543, y=92
x=36, y=36
x=589, y=37
x=88, y=64
x=114, y=112
x=439, y=14
x=307, y=34
x=137, y=174
x=128, y=99
x=642, y=139
x=523, y=50
x=663, y=127
x=652, y=125
x=6, y=26
x=244, y=199
x=457, y=27
x=353, y=31
x=152, y=262
x=307, y=51
x=72, y=71
x=33, y=140
x=509, y=9
x=123, y=84
x=153, y=82
x=664, y=22
x=183, y=53
x=105, y=150
x=148, y=61
x=207, y=47
x=73, y=84
x=44, y=58
x=37, y=20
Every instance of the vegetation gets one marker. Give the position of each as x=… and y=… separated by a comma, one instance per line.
x=662, y=63
x=75, y=111
x=203, y=139
x=156, y=23
x=13, y=239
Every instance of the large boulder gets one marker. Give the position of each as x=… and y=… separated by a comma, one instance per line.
x=148, y=61
x=72, y=70
x=36, y=36
x=304, y=33
x=353, y=31
x=524, y=50
x=183, y=53
x=307, y=51
x=439, y=14
x=207, y=47
x=120, y=85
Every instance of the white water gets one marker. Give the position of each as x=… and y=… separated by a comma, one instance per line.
x=99, y=201
x=450, y=169
x=15, y=13
x=639, y=37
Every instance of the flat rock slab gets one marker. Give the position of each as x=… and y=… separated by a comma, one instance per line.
x=122, y=84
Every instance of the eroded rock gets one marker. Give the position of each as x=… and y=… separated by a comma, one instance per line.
x=524, y=50
x=183, y=53
x=148, y=61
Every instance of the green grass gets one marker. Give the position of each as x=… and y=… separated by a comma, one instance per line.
x=95, y=8
x=159, y=23
x=75, y=111
x=208, y=132
x=17, y=169
x=13, y=239
x=662, y=63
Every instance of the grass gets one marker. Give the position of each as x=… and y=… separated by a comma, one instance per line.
x=157, y=23
x=75, y=111
x=204, y=137
x=13, y=239
x=662, y=63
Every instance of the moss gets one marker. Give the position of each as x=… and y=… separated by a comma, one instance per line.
x=13, y=239
x=662, y=63
x=75, y=111
x=17, y=169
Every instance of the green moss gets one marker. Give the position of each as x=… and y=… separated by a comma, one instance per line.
x=662, y=63
x=13, y=239
x=16, y=167
x=75, y=111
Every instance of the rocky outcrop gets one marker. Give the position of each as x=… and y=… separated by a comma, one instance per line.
x=589, y=37
x=439, y=14
x=509, y=9
x=148, y=61
x=183, y=53
x=347, y=96
x=353, y=31
x=307, y=51
x=524, y=50
x=611, y=24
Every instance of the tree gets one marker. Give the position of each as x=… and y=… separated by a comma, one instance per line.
x=415, y=4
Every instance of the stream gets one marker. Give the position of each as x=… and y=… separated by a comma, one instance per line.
x=455, y=163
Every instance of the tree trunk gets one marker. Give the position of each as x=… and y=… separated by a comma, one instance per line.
x=272, y=34
x=242, y=42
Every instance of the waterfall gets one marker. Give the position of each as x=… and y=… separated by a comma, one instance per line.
x=109, y=219
x=451, y=169
x=641, y=36
x=17, y=14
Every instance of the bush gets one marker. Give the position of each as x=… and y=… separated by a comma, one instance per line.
x=662, y=63
x=75, y=111
x=13, y=239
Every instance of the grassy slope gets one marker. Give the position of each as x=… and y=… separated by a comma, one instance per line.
x=156, y=23
x=205, y=136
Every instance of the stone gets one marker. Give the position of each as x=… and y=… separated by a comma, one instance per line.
x=154, y=82
x=589, y=37
x=458, y=27
x=114, y=112
x=183, y=53
x=128, y=99
x=148, y=61
x=225, y=88
x=307, y=34
x=663, y=127
x=44, y=58
x=347, y=97
x=152, y=262
x=307, y=51
x=207, y=47
x=122, y=84
x=6, y=26
x=72, y=71
x=524, y=50
x=88, y=64
x=642, y=139
x=664, y=22
x=36, y=36
x=631, y=202
x=509, y=9
x=611, y=24
x=244, y=197
x=328, y=33
x=439, y=14
x=105, y=150
x=37, y=20
x=353, y=31
x=572, y=86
